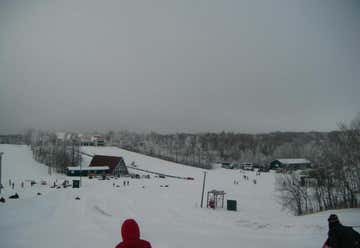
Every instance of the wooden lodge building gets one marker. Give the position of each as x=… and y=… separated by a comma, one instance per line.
x=99, y=165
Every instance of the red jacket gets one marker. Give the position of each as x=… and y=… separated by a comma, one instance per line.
x=130, y=233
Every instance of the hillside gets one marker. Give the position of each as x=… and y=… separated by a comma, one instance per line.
x=168, y=216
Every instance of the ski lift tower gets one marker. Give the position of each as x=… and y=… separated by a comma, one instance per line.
x=215, y=198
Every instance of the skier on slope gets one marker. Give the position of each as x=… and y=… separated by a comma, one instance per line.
x=130, y=233
x=340, y=236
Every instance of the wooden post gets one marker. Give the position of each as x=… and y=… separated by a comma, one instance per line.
x=203, y=188
x=1, y=153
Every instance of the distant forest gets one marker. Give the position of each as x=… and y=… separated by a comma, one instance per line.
x=204, y=149
x=193, y=149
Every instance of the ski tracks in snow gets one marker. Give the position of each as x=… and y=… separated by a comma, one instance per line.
x=101, y=211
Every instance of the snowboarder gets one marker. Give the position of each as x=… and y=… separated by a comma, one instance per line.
x=22, y=184
x=340, y=236
x=124, y=183
x=127, y=183
x=130, y=233
x=13, y=185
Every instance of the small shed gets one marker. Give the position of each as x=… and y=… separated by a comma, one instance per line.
x=215, y=198
x=226, y=165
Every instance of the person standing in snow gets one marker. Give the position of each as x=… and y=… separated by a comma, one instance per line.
x=340, y=236
x=130, y=233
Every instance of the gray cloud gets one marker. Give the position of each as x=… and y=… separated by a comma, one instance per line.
x=171, y=66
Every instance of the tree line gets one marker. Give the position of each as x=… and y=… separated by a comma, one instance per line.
x=57, y=154
x=334, y=180
x=204, y=149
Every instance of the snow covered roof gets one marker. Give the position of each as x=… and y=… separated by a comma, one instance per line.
x=293, y=161
x=60, y=135
x=104, y=160
x=88, y=168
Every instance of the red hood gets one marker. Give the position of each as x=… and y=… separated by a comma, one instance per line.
x=130, y=230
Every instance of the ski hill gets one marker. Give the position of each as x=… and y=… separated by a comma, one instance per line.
x=168, y=216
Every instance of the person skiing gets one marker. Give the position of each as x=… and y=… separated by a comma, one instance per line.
x=340, y=236
x=130, y=233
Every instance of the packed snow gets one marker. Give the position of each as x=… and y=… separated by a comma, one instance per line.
x=168, y=216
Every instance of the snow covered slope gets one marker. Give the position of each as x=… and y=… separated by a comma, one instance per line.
x=142, y=161
x=18, y=163
x=168, y=216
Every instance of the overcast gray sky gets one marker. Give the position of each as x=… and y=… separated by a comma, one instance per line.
x=179, y=66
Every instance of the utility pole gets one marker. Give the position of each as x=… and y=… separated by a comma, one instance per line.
x=80, y=162
x=1, y=153
x=203, y=188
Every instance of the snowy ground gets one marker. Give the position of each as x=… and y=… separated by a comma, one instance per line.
x=168, y=216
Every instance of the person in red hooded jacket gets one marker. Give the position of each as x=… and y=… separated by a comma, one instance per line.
x=130, y=233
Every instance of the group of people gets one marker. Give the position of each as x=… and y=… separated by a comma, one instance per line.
x=245, y=177
x=339, y=236
x=125, y=183
x=12, y=184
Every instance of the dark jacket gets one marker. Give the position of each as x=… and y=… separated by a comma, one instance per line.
x=340, y=236
x=130, y=233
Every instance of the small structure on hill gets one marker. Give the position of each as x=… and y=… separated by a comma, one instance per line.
x=290, y=164
x=98, y=140
x=215, y=198
x=116, y=165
